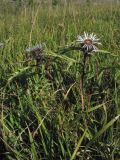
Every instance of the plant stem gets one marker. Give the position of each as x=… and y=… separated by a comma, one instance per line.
x=82, y=81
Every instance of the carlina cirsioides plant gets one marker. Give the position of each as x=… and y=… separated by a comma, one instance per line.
x=88, y=44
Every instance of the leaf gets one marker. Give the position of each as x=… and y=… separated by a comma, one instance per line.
x=19, y=73
x=78, y=146
x=95, y=108
x=62, y=57
x=106, y=127
x=110, y=123
x=101, y=51
x=33, y=150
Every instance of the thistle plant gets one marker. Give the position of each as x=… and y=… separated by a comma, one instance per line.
x=88, y=44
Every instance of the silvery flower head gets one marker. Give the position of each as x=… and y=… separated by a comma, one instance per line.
x=36, y=51
x=89, y=42
x=38, y=47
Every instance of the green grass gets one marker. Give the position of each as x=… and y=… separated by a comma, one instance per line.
x=42, y=118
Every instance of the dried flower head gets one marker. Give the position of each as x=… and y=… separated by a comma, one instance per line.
x=88, y=42
x=36, y=51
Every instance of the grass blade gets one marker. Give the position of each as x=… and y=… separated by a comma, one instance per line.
x=78, y=146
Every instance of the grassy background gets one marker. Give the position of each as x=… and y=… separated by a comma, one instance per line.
x=42, y=118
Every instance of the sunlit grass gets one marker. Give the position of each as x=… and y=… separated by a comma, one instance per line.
x=42, y=118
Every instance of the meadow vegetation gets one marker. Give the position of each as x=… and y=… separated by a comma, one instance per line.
x=41, y=114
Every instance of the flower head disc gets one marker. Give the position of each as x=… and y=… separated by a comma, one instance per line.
x=88, y=42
